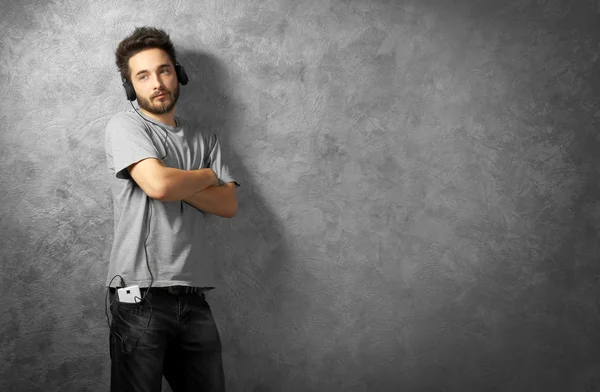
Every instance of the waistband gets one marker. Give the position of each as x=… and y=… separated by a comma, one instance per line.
x=175, y=290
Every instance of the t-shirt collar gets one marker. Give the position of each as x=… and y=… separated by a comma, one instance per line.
x=169, y=127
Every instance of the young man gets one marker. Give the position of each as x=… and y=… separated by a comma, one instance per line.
x=164, y=175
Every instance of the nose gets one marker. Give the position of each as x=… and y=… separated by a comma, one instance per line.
x=157, y=82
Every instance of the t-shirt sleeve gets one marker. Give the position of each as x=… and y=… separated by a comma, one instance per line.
x=216, y=163
x=128, y=142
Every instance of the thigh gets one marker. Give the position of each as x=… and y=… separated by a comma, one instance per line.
x=195, y=362
x=138, y=340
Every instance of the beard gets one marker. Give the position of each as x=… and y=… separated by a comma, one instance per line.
x=160, y=107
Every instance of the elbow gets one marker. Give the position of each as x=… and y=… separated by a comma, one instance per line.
x=233, y=210
x=160, y=196
x=158, y=191
x=151, y=178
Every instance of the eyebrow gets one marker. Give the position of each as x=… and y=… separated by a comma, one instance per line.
x=159, y=67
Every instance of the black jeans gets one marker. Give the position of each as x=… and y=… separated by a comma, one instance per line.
x=181, y=341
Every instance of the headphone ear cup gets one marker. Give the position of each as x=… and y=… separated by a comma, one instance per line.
x=129, y=90
x=181, y=75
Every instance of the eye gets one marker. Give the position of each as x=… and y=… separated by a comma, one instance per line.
x=165, y=70
x=142, y=77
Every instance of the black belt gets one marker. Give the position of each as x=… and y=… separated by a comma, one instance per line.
x=176, y=290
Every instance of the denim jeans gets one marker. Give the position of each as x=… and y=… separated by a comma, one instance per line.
x=181, y=342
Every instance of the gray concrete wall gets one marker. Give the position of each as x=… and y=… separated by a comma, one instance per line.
x=419, y=208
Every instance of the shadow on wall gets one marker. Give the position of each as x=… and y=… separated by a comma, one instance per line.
x=249, y=251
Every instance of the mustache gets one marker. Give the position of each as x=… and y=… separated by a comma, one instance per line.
x=160, y=92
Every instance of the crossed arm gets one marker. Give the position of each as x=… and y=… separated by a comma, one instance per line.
x=198, y=188
x=218, y=200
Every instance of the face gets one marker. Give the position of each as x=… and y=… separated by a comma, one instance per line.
x=154, y=80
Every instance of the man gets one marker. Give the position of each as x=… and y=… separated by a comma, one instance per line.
x=164, y=176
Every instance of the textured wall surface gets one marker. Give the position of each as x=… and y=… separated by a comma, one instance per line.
x=420, y=202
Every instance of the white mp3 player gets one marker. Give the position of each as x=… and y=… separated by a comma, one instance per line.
x=130, y=294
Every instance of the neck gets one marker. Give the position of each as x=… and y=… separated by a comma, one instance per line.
x=165, y=118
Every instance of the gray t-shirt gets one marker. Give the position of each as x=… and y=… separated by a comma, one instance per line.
x=176, y=236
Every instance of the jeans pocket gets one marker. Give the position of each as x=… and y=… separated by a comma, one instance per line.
x=134, y=310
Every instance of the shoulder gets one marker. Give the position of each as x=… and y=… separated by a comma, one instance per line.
x=124, y=122
x=128, y=118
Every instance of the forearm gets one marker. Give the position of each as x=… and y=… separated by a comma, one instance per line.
x=180, y=184
x=217, y=200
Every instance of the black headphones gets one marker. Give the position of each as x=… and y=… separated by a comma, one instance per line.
x=181, y=77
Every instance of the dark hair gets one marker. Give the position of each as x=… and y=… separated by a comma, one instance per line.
x=142, y=38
